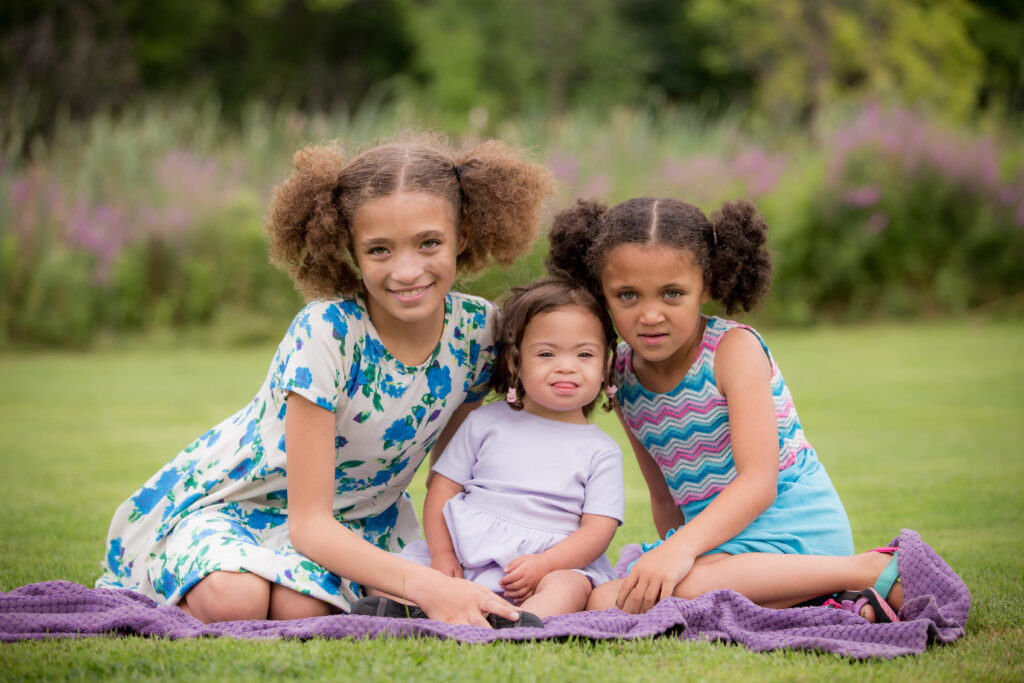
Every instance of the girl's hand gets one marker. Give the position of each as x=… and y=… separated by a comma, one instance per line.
x=447, y=564
x=522, y=576
x=653, y=578
x=457, y=601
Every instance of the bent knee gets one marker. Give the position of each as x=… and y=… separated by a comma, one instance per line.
x=229, y=596
x=286, y=603
x=603, y=597
x=693, y=587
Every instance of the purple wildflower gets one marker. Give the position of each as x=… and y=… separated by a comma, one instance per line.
x=877, y=222
x=863, y=197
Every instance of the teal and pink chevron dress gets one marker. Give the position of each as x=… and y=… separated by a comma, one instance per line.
x=686, y=431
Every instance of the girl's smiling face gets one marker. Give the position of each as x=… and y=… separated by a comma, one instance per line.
x=562, y=362
x=654, y=294
x=405, y=245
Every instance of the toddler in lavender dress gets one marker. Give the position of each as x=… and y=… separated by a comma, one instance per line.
x=528, y=494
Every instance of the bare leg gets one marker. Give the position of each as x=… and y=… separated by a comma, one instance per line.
x=288, y=604
x=773, y=580
x=560, y=592
x=389, y=596
x=603, y=596
x=228, y=596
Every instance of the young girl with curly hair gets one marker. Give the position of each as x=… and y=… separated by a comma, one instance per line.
x=292, y=505
x=528, y=493
x=739, y=497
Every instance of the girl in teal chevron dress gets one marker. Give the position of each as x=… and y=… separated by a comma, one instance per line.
x=738, y=495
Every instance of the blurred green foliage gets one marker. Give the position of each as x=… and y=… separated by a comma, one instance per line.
x=498, y=59
x=804, y=54
x=152, y=219
x=139, y=140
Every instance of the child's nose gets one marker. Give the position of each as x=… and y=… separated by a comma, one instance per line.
x=651, y=314
x=408, y=267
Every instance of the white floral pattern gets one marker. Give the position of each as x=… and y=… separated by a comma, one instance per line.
x=222, y=503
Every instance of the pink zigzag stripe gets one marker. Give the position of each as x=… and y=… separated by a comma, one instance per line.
x=714, y=448
x=639, y=418
x=692, y=497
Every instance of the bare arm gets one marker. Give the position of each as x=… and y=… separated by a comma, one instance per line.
x=743, y=375
x=439, y=539
x=666, y=513
x=309, y=439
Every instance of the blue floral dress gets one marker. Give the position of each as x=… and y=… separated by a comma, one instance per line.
x=222, y=503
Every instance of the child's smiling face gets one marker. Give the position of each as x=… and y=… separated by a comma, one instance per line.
x=654, y=294
x=406, y=246
x=562, y=362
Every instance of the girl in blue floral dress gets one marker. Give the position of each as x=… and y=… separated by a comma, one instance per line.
x=291, y=505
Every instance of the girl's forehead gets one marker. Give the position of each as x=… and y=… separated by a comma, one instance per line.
x=571, y=318
x=402, y=212
x=649, y=260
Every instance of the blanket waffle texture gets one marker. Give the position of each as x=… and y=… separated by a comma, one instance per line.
x=935, y=610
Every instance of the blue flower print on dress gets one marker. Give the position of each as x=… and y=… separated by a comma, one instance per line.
x=115, y=554
x=439, y=380
x=381, y=523
x=400, y=430
x=302, y=380
x=241, y=469
x=265, y=519
x=334, y=315
x=147, y=497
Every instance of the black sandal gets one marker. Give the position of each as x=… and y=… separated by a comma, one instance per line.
x=379, y=606
x=526, y=619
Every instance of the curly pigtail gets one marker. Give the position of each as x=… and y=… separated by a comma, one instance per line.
x=308, y=235
x=741, y=266
x=501, y=196
x=572, y=234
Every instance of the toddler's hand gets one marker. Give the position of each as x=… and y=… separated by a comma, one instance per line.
x=653, y=578
x=447, y=564
x=522, y=576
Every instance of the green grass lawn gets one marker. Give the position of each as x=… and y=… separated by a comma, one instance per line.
x=919, y=425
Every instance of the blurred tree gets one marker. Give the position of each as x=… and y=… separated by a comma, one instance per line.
x=549, y=54
x=803, y=54
x=78, y=56
x=997, y=28
x=312, y=53
x=786, y=58
x=675, y=46
x=61, y=58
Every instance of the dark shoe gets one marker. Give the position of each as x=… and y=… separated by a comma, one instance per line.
x=379, y=606
x=527, y=619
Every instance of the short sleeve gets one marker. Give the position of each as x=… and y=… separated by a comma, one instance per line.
x=604, y=493
x=478, y=329
x=459, y=456
x=312, y=357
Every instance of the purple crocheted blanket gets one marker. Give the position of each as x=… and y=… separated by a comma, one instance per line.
x=935, y=610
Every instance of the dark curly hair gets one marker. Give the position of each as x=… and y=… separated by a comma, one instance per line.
x=519, y=307
x=730, y=248
x=494, y=192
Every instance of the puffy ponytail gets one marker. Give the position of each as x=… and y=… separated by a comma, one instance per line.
x=573, y=233
x=741, y=266
x=501, y=195
x=309, y=237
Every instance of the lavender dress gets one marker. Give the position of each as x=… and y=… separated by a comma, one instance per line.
x=527, y=480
